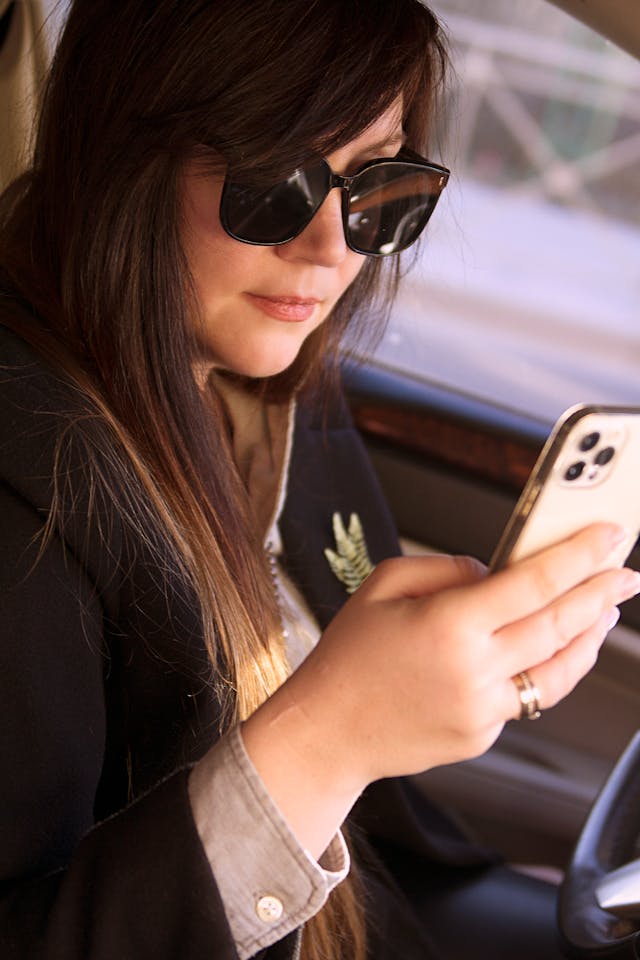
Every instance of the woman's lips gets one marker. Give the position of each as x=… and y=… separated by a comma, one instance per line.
x=290, y=309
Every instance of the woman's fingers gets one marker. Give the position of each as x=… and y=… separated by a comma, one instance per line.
x=540, y=636
x=557, y=677
x=412, y=577
x=416, y=669
x=532, y=584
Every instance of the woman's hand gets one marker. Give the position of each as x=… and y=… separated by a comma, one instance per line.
x=417, y=670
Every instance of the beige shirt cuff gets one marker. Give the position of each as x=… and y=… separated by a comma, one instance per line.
x=268, y=883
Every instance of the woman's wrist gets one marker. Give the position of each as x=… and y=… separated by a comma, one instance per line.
x=302, y=752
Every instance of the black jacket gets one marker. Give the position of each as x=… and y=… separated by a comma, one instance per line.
x=104, y=702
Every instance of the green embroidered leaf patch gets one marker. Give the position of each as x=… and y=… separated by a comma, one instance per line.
x=351, y=563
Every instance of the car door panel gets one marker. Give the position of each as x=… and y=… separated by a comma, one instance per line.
x=452, y=468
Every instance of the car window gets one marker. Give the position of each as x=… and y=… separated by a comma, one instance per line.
x=526, y=289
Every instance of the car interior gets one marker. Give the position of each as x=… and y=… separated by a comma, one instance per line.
x=452, y=463
x=558, y=797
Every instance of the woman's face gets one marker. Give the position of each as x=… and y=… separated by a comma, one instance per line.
x=259, y=304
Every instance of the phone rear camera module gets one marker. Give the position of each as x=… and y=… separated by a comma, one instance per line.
x=589, y=441
x=575, y=470
x=604, y=456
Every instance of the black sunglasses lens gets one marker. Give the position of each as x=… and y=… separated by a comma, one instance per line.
x=390, y=205
x=274, y=214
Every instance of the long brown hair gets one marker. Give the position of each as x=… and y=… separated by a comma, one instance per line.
x=91, y=238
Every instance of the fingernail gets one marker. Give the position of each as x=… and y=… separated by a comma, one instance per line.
x=618, y=536
x=614, y=616
x=631, y=584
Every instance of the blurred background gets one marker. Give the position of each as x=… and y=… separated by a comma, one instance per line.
x=527, y=287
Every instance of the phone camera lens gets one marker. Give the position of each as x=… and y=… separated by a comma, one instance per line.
x=575, y=470
x=589, y=441
x=604, y=456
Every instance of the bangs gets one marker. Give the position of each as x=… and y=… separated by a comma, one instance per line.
x=343, y=66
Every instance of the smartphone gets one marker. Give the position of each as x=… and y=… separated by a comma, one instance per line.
x=588, y=471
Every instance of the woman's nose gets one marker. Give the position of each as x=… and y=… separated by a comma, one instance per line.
x=322, y=241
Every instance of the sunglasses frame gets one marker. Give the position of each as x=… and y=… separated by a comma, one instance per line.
x=406, y=157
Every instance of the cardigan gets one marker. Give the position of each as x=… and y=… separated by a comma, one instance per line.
x=105, y=704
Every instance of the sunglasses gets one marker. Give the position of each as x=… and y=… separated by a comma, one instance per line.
x=385, y=205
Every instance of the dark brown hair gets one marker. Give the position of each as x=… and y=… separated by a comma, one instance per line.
x=90, y=237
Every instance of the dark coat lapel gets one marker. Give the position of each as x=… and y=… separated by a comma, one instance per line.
x=330, y=472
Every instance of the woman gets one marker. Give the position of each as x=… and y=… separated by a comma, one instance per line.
x=173, y=450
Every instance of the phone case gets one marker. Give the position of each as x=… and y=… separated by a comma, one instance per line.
x=588, y=471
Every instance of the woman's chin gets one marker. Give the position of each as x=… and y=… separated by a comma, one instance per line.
x=257, y=364
x=259, y=370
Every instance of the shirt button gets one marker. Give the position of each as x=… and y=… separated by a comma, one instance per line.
x=269, y=909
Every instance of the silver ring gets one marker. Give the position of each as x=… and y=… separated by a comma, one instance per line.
x=529, y=696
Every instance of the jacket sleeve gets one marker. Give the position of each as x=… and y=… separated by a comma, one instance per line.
x=138, y=884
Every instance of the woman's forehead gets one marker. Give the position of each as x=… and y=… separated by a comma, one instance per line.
x=387, y=127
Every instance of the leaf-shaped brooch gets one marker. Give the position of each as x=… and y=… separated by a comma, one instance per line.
x=350, y=560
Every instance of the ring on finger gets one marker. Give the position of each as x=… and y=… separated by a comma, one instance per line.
x=529, y=696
